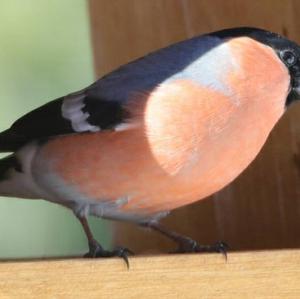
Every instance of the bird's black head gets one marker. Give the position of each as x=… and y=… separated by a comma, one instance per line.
x=288, y=51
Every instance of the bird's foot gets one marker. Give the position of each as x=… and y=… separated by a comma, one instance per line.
x=188, y=245
x=97, y=251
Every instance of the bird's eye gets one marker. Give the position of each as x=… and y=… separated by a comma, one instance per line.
x=288, y=57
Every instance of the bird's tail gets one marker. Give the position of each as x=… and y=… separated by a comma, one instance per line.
x=7, y=163
x=15, y=180
x=9, y=141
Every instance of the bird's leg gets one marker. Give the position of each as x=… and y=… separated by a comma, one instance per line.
x=96, y=250
x=186, y=244
x=94, y=246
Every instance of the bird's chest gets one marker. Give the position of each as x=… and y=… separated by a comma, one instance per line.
x=207, y=139
x=184, y=147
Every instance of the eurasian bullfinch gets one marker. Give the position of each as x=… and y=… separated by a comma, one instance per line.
x=161, y=132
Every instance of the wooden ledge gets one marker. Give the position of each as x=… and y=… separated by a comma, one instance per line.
x=263, y=274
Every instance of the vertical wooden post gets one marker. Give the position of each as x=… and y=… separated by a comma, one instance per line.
x=261, y=209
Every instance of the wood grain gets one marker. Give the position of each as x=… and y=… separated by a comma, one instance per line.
x=261, y=209
x=244, y=275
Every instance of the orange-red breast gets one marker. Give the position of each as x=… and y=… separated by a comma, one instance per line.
x=158, y=133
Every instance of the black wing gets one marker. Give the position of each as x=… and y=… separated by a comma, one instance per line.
x=76, y=113
x=101, y=105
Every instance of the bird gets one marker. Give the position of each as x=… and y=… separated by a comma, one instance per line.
x=161, y=132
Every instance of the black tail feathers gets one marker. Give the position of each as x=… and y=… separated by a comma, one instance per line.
x=7, y=163
x=10, y=142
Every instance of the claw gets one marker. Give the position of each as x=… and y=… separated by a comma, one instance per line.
x=125, y=258
x=221, y=247
x=188, y=245
x=123, y=253
x=96, y=251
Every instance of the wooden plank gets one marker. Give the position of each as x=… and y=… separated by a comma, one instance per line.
x=259, y=210
x=244, y=275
